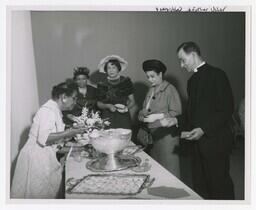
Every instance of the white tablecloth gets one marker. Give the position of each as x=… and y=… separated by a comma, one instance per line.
x=165, y=186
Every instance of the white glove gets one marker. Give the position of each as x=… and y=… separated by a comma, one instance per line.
x=153, y=117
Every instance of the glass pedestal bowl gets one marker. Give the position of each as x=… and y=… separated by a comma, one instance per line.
x=110, y=142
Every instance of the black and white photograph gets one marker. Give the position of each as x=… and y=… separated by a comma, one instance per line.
x=132, y=104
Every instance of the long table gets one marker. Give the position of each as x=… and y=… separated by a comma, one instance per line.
x=165, y=185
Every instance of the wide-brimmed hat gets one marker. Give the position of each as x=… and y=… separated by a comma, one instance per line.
x=103, y=62
x=153, y=65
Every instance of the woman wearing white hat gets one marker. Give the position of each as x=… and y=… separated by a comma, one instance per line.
x=115, y=96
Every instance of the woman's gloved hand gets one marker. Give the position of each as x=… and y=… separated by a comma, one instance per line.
x=112, y=107
x=153, y=117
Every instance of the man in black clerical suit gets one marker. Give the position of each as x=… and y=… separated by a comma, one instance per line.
x=207, y=124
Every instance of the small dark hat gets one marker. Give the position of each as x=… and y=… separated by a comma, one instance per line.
x=154, y=65
x=81, y=71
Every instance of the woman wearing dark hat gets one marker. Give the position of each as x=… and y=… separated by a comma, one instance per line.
x=162, y=101
x=87, y=95
x=115, y=96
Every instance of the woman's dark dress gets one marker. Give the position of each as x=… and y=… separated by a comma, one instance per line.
x=116, y=94
x=89, y=100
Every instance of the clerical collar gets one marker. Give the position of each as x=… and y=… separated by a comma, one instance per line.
x=201, y=64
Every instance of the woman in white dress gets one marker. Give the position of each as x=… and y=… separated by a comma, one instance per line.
x=38, y=173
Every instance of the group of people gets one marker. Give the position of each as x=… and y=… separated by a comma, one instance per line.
x=205, y=123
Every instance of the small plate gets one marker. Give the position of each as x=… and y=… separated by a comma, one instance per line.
x=123, y=110
x=185, y=134
x=131, y=150
x=120, y=106
x=141, y=168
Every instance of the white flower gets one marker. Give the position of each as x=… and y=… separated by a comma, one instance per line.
x=91, y=120
x=79, y=120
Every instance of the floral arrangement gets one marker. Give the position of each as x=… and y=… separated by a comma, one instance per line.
x=91, y=119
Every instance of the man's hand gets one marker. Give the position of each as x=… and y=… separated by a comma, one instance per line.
x=195, y=134
x=168, y=122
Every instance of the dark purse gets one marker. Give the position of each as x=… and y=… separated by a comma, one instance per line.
x=144, y=136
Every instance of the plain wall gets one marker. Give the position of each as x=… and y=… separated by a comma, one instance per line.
x=65, y=39
x=24, y=92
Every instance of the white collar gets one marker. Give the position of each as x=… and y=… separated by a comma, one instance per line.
x=201, y=64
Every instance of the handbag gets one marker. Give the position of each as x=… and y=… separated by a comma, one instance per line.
x=144, y=136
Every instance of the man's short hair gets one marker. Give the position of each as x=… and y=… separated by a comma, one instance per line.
x=189, y=47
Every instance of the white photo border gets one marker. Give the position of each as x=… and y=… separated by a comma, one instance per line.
x=249, y=86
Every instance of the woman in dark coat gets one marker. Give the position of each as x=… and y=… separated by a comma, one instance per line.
x=115, y=96
x=86, y=95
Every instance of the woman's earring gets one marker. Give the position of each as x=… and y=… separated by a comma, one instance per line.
x=64, y=100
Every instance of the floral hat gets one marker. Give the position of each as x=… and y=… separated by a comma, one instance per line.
x=103, y=62
x=81, y=70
